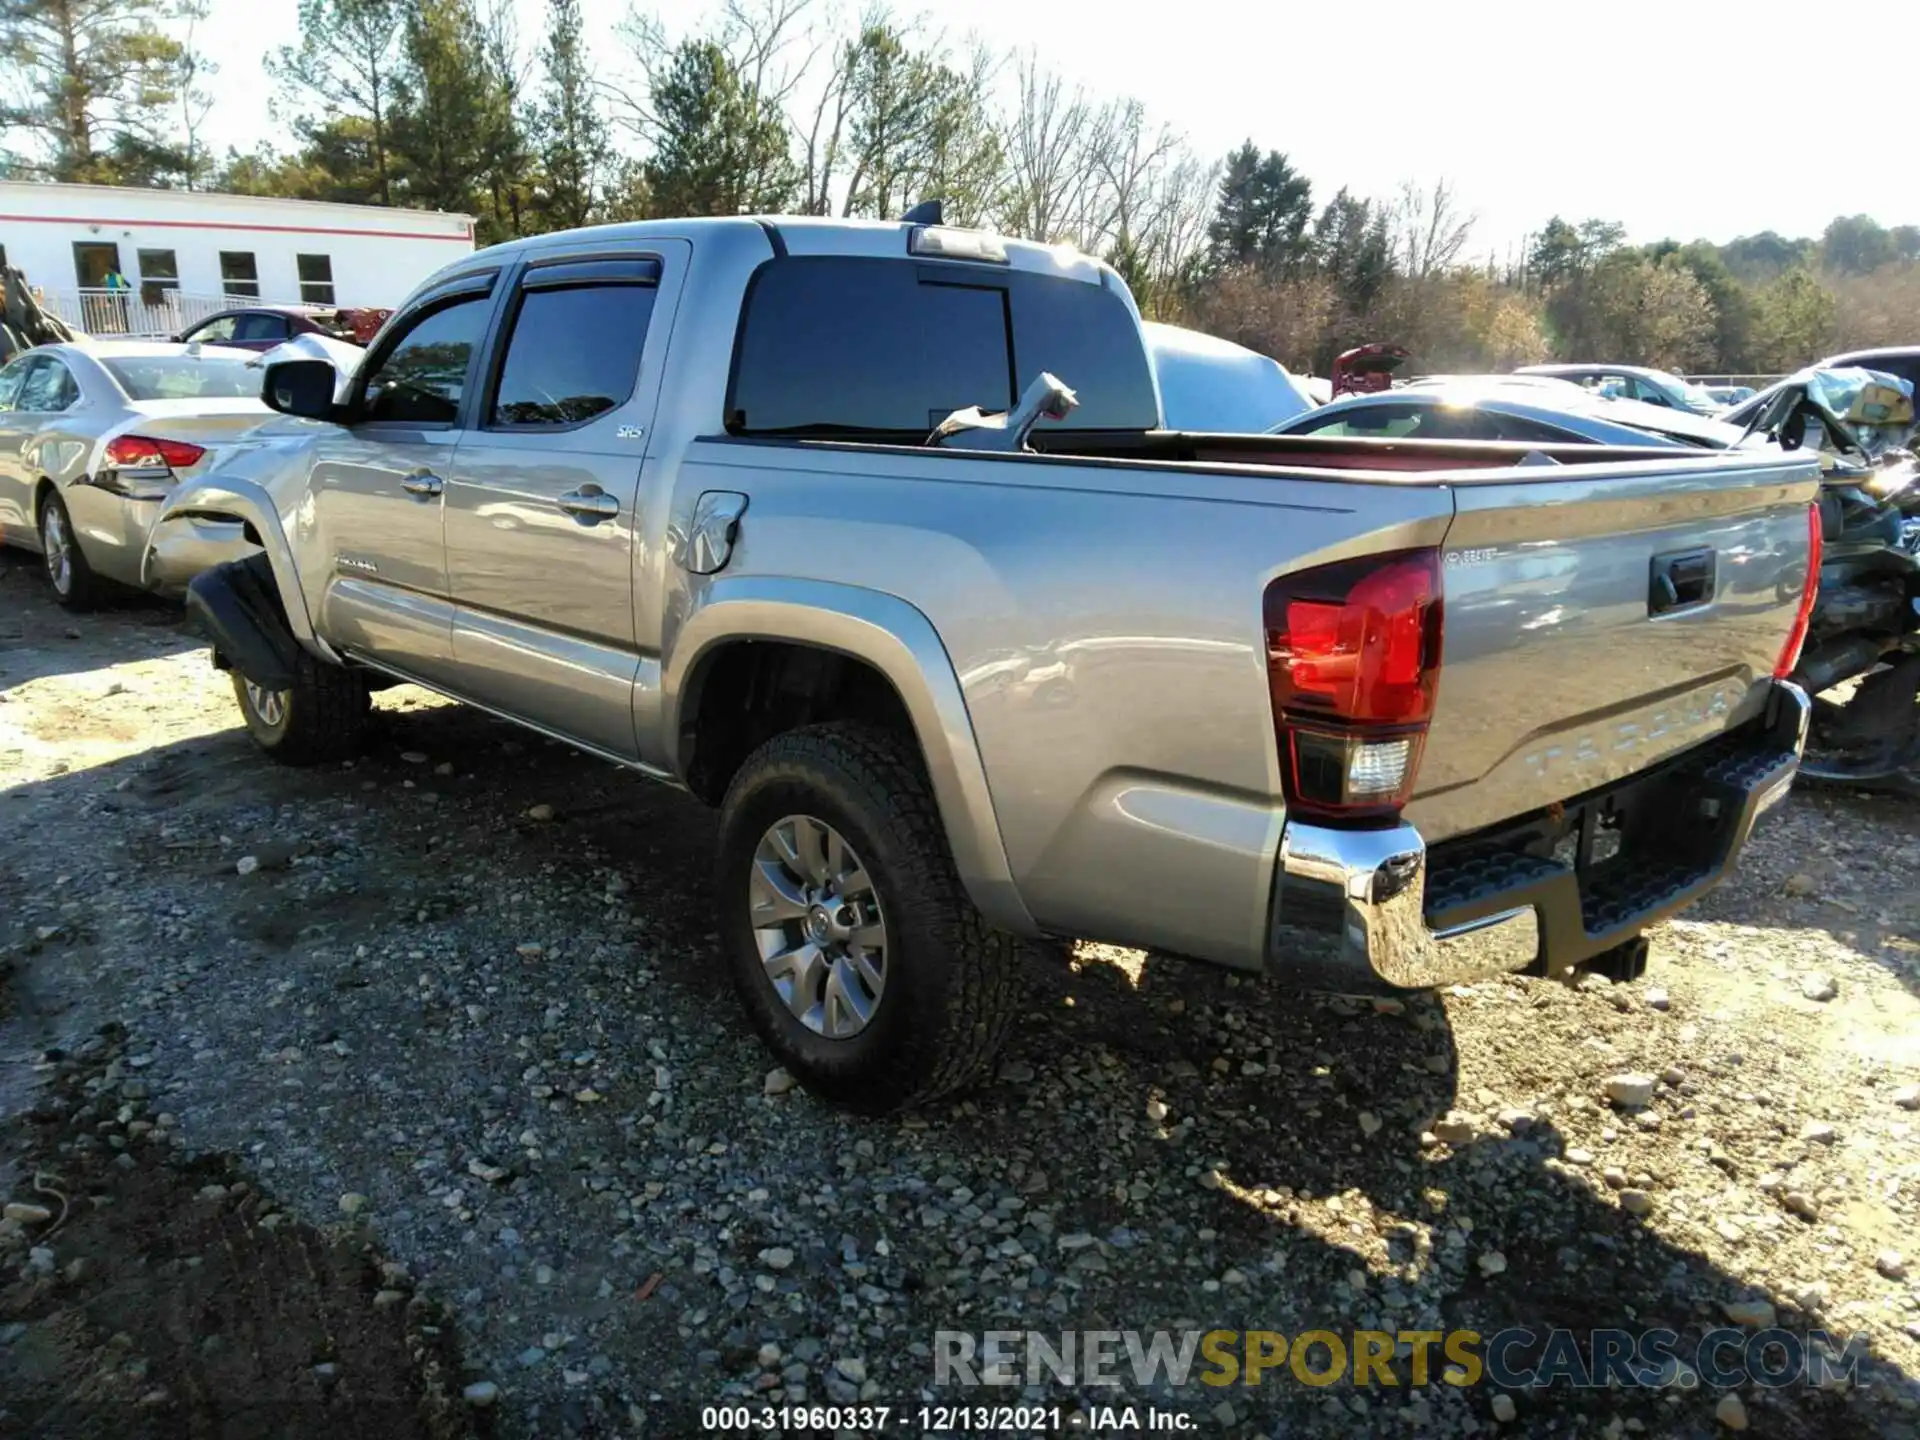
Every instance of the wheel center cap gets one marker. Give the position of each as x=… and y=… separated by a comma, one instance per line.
x=819, y=925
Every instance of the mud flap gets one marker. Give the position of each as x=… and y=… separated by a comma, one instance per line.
x=237, y=607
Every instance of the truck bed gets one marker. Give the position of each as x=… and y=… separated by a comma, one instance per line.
x=1118, y=687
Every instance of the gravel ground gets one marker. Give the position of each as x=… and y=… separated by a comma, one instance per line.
x=461, y=998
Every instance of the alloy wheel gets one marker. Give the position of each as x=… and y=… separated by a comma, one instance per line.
x=818, y=925
x=270, y=706
x=58, y=545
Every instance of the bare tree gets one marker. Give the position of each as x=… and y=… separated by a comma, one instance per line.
x=1430, y=227
x=196, y=100
x=1048, y=178
x=1129, y=159
x=772, y=43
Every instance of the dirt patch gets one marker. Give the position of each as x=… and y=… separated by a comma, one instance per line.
x=146, y=1294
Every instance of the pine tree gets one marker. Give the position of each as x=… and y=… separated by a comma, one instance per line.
x=718, y=148
x=568, y=128
x=98, y=83
x=1261, y=215
x=346, y=66
x=444, y=107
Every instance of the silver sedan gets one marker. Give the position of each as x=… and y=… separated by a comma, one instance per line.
x=94, y=436
x=1497, y=409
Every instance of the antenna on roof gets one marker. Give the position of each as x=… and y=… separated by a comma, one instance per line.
x=927, y=212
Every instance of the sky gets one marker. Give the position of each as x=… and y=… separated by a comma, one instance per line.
x=1680, y=119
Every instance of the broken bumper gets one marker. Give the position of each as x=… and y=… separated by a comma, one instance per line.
x=1358, y=910
x=186, y=546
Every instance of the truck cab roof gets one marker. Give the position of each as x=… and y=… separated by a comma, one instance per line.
x=795, y=235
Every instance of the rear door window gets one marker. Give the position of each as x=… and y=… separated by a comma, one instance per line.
x=49, y=388
x=260, y=326
x=574, y=353
x=859, y=345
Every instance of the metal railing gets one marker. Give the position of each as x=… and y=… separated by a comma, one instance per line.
x=127, y=313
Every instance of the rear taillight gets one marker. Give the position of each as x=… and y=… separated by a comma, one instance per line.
x=138, y=452
x=1803, y=617
x=1353, y=661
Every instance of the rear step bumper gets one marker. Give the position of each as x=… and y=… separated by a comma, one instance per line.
x=236, y=606
x=1358, y=910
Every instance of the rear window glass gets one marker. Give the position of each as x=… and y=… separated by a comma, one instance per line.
x=861, y=345
x=183, y=377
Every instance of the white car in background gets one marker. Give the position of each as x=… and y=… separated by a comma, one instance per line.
x=1215, y=386
x=1497, y=408
x=1632, y=382
x=95, y=435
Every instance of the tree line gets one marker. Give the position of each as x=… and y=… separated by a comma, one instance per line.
x=784, y=106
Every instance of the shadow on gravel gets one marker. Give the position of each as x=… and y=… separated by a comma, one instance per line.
x=1322, y=1223
x=38, y=639
x=164, y=1297
x=1323, y=1190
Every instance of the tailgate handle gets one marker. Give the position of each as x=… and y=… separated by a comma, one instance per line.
x=1680, y=581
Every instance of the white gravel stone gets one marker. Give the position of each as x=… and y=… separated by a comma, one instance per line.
x=1731, y=1411
x=1504, y=1410
x=1631, y=1091
x=1819, y=986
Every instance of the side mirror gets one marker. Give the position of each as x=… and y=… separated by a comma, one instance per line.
x=301, y=387
x=1793, y=431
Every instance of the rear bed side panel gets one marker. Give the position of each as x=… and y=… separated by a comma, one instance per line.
x=1105, y=625
x=1555, y=678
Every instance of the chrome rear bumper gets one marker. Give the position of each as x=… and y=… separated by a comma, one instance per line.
x=1358, y=910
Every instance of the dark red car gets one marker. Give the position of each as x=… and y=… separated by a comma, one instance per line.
x=261, y=327
x=1367, y=369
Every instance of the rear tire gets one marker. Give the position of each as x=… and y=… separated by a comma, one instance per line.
x=322, y=717
x=929, y=1017
x=75, y=585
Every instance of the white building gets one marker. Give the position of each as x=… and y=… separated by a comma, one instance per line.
x=185, y=254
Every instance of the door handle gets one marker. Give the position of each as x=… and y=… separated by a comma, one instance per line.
x=589, y=504
x=423, y=483
x=1680, y=580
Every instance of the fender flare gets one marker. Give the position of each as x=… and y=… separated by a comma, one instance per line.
x=228, y=497
x=897, y=640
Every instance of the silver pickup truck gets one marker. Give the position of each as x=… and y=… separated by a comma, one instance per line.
x=694, y=496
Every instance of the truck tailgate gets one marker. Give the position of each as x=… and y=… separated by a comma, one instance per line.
x=1567, y=662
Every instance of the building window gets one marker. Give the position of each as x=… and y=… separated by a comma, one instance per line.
x=158, y=274
x=316, y=279
x=238, y=274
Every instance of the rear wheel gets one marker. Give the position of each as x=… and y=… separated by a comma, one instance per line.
x=1866, y=732
x=322, y=716
x=848, y=936
x=74, y=584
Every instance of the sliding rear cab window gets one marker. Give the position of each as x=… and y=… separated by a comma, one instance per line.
x=862, y=345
